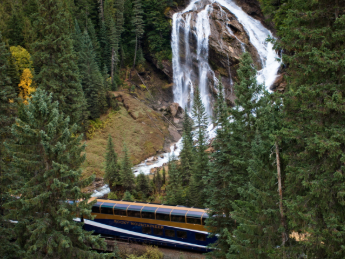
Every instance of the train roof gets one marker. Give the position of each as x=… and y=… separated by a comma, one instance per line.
x=178, y=207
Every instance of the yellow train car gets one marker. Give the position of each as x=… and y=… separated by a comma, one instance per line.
x=156, y=224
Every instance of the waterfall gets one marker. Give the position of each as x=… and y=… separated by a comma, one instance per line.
x=191, y=67
x=190, y=48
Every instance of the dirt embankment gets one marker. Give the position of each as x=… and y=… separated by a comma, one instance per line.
x=144, y=122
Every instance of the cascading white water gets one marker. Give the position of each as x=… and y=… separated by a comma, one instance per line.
x=184, y=78
x=190, y=63
x=192, y=69
x=257, y=34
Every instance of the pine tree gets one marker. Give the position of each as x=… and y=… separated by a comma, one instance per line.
x=57, y=61
x=174, y=188
x=127, y=175
x=95, y=43
x=201, y=157
x=142, y=184
x=119, y=21
x=92, y=81
x=314, y=124
x=128, y=196
x=104, y=44
x=47, y=158
x=228, y=171
x=7, y=115
x=163, y=176
x=112, y=168
x=159, y=182
x=187, y=157
x=261, y=227
x=15, y=30
x=138, y=24
x=13, y=73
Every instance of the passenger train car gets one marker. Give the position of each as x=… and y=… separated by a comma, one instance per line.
x=165, y=225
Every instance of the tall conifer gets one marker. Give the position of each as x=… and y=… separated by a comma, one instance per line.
x=142, y=184
x=138, y=24
x=112, y=167
x=127, y=175
x=201, y=157
x=7, y=114
x=91, y=78
x=232, y=147
x=315, y=109
x=57, y=61
x=187, y=156
x=261, y=230
x=47, y=156
x=174, y=186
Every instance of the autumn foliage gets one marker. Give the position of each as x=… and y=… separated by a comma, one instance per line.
x=25, y=85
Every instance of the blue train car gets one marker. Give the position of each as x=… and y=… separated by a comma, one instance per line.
x=164, y=225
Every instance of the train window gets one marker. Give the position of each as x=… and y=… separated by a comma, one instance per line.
x=107, y=208
x=120, y=212
x=107, y=211
x=134, y=211
x=170, y=233
x=178, y=216
x=200, y=237
x=96, y=206
x=158, y=231
x=120, y=209
x=181, y=234
x=148, y=212
x=194, y=217
x=165, y=217
x=135, y=214
x=146, y=230
x=163, y=214
x=148, y=215
x=191, y=220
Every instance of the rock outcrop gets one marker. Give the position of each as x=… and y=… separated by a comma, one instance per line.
x=227, y=42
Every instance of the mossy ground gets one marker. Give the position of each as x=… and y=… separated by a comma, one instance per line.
x=134, y=124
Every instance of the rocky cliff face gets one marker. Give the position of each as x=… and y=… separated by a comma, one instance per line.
x=228, y=40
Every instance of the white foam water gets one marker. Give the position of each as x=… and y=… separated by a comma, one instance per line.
x=194, y=21
x=183, y=82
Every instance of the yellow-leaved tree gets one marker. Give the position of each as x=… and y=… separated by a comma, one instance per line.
x=22, y=57
x=25, y=85
x=23, y=64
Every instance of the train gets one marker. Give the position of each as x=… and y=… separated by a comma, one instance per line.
x=155, y=224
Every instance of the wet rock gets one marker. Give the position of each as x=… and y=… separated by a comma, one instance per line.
x=209, y=150
x=279, y=84
x=165, y=66
x=174, y=134
x=228, y=40
x=174, y=109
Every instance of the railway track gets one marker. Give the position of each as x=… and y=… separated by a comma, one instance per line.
x=128, y=246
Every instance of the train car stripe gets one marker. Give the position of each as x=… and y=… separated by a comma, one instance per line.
x=96, y=224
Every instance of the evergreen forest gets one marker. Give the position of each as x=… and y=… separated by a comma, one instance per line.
x=272, y=178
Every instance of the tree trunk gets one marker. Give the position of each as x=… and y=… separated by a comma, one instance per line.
x=336, y=9
x=282, y=218
x=112, y=66
x=135, y=53
x=101, y=9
